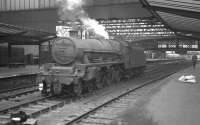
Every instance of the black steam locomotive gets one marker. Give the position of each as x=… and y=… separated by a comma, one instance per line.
x=84, y=65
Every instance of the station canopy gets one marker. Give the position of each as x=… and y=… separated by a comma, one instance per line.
x=181, y=16
x=22, y=35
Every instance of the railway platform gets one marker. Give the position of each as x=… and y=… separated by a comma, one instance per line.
x=174, y=103
x=9, y=72
x=17, y=78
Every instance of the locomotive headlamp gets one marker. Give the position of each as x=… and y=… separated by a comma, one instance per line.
x=16, y=119
x=40, y=78
x=41, y=86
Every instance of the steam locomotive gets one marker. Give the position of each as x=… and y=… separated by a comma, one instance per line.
x=83, y=65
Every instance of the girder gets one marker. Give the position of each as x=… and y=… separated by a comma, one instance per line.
x=94, y=3
x=186, y=13
x=177, y=15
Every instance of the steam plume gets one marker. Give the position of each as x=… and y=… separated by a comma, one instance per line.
x=73, y=10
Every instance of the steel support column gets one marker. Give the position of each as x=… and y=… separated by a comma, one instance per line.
x=39, y=60
x=9, y=52
x=198, y=44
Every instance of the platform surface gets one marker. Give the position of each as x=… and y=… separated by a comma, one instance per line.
x=9, y=72
x=174, y=103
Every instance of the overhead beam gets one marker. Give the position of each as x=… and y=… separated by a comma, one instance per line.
x=124, y=30
x=24, y=43
x=187, y=31
x=183, y=33
x=185, y=13
x=153, y=10
x=12, y=34
x=134, y=28
x=148, y=6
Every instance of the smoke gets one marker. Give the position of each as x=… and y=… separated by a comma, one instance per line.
x=92, y=24
x=72, y=10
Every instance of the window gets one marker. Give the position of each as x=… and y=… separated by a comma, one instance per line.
x=52, y=3
x=3, y=5
x=36, y=2
x=22, y=4
x=13, y=4
x=8, y=4
x=27, y=4
x=17, y=4
x=42, y=3
x=32, y=4
x=47, y=2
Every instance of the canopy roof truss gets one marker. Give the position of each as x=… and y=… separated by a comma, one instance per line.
x=23, y=35
x=181, y=16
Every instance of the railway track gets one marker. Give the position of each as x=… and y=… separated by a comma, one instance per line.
x=108, y=111
x=36, y=105
x=89, y=113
